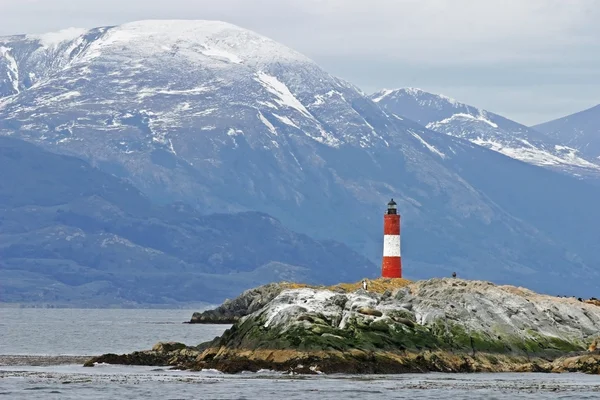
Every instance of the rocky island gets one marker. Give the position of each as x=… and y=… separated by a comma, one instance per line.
x=445, y=325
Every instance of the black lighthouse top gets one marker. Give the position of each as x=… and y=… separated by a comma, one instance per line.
x=392, y=209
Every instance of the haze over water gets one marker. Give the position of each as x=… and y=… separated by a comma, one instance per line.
x=42, y=333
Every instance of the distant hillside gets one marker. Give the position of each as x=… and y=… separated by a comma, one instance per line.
x=70, y=233
x=484, y=128
x=580, y=130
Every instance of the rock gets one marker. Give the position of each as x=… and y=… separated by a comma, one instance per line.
x=586, y=363
x=400, y=314
x=339, y=301
x=232, y=310
x=254, y=299
x=162, y=354
x=189, y=352
x=167, y=347
x=149, y=358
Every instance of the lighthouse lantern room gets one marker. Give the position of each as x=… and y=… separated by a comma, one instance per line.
x=391, y=266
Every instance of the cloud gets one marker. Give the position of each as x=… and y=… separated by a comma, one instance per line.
x=415, y=30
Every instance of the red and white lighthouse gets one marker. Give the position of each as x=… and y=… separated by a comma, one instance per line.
x=391, y=266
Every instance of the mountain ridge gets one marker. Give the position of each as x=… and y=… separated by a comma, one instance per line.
x=446, y=115
x=579, y=130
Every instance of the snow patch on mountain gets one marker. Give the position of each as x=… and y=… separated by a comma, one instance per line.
x=13, y=68
x=458, y=116
x=415, y=93
x=279, y=89
x=267, y=123
x=573, y=156
x=321, y=99
x=234, y=132
x=149, y=92
x=529, y=153
x=196, y=40
x=382, y=95
x=286, y=121
x=428, y=146
x=221, y=54
x=327, y=138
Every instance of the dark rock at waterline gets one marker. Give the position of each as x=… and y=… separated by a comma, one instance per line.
x=149, y=358
x=162, y=354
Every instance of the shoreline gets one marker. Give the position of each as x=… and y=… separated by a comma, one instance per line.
x=354, y=362
x=286, y=362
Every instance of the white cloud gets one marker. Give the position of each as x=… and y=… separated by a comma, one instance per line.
x=418, y=30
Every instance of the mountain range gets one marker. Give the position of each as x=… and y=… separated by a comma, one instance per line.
x=70, y=233
x=218, y=119
x=446, y=115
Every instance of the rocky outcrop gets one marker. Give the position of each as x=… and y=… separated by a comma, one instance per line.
x=162, y=354
x=587, y=363
x=232, y=310
x=445, y=325
x=254, y=299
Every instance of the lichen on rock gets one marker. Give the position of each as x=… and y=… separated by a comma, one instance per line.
x=232, y=310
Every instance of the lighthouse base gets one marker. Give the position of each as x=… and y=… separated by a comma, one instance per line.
x=391, y=267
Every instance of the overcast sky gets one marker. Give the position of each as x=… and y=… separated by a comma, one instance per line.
x=530, y=60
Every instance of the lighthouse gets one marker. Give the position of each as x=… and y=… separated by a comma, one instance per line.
x=391, y=265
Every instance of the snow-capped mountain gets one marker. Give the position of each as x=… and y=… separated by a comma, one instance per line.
x=580, y=131
x=445, y=115
x=224, y=119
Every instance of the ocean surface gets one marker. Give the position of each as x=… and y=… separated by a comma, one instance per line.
x=40, y=353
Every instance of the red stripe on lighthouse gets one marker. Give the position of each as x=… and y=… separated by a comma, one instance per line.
x=391, y=266
x=391, y=224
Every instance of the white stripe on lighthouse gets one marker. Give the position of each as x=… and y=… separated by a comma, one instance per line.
x=391, y=245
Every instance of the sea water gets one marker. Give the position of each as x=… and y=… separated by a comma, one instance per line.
x=41, y=334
